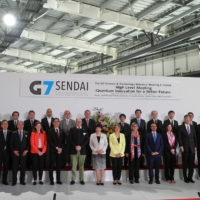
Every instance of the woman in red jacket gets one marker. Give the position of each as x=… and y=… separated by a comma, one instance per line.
x=38, y=143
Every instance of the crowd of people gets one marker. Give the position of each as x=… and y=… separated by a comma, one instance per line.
x=53, y=143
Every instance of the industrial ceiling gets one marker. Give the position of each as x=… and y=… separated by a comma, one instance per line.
x=85, y=36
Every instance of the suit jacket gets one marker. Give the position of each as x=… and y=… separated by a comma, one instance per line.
x=5, y=143
x=66, y=128
x=174, y=126
x=154, y=147
x=16, y=145
x=101, y=145
x=188, y=142
x=159, y=126
x=128, y=143
x=142, y=127
x=91, y=128
x=11, y=125
x=167, y=147
x=116, y=147
x=27, y=125
x=78, y=137
x=45, y=124
x=52, y=139
x=194, y=123
x=34, y=142
x=125, y=129
x=198, y=136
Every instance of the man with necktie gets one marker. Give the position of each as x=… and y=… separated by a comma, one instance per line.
x=78, y=140
x=28, y=126
x=125, y=129
x=188, y=147
x=56, y=139
x=65, y=125
x=154, y=146
x=4, y=150
x=19, y=146
x=191, y=114
x=89, y=126
x=171, y=121
x=155, y=120
x=12, y=124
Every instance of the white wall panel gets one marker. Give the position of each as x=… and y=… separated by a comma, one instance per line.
x=181, y=62
x=132, y=71
x=125, y=71
x=194, y=61
x=149, y=69
x=140, y=70
x=168, y=67
x=158, y=68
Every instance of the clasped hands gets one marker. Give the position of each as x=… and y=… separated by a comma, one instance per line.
x=59, y=150
x=17, y=153
x=154, y=153
x=99, y=151
x=78, y=148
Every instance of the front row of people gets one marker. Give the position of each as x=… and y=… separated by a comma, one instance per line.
x=19, y=143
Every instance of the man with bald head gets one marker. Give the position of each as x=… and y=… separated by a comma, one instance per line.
x=78, y=140
x=47, y=122
x=65, y=126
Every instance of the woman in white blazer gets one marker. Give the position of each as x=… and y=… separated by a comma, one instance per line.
x=99, y=144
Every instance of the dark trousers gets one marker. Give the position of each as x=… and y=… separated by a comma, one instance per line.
x=37, y=165
x=108, y=157
x=170, y=163
x=134, y=166
x=154, y=162
x=117, y=167
x=198, y=156
x=54, y=158
x=28, y=160
x=88, y=160
x=18, y=160
x=4, y=160
x=126, y=159
x=46, y=158
x=188, y=161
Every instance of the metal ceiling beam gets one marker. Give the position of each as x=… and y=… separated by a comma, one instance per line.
x=178, y=17
x=65, y=53
x=68, y=42
x=34, y=57
x=148, y=11
x=106, y=4
x=93, y=12
x=131, y=56
x=128, y=5
x=16, y=68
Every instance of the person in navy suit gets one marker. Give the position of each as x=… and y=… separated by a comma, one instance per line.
x=154, y=147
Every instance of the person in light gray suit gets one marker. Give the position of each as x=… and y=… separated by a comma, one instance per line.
x=65, y=125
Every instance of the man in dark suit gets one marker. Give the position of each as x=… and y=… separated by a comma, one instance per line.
x=12, y=124
x=47, y=123
x=89, y=126
x=56, y=140
x=4, y=150
x=155, y=120
x=198, y=147
x=191, y=114
x=188, y=147
x=28, y=126
x=154, y=146
x=171, y=121
x=125, y=129
x=141, y=122
x=19, y=146
x=78, y=140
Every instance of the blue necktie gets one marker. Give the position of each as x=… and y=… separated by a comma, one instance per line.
x=138, y=121
x=154, y=137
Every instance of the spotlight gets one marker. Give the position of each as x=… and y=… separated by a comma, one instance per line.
x=9, y=20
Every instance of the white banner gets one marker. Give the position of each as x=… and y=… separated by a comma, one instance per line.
x=99, y=89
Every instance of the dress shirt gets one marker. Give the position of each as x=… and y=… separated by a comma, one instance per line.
x=49, y=120
x=5, y=135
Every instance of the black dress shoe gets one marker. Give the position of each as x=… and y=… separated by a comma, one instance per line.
x=82, y=182
x=119, y=183
x=136, y=181
x=132, y=182
x=186, y=180
x=34, y=183
x=114, y=183
x=51, y=183
x=59, y=182
x=102, y=183
x=157, y=182
x=22, y=183
x=72, y=182
x=190, y=180
x=5, y=183
x=97, y=183
x=14, y=183
x=41, y=182
x=150, y=181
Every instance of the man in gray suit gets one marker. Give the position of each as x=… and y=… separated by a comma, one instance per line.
x=65, y=126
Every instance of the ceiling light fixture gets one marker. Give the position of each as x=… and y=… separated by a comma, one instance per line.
x=9, y=20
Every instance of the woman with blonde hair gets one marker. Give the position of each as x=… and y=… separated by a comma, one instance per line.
x=117, y=148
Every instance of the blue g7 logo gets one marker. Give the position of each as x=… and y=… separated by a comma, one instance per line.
x=38, y=91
